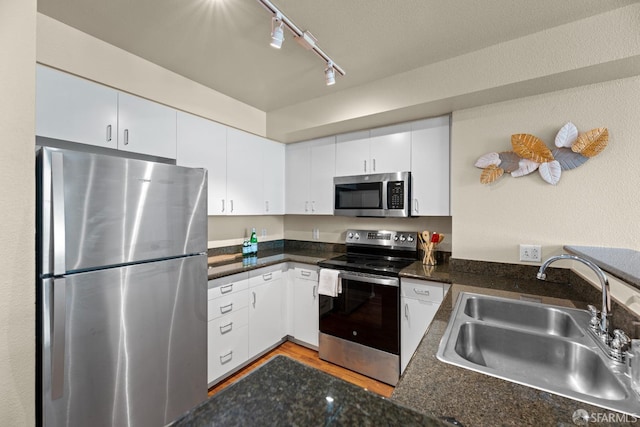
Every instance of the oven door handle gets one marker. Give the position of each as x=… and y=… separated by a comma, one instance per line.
x=376, y=280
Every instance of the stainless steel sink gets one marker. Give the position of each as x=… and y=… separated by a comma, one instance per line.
x=537, y=318
x=537, y=345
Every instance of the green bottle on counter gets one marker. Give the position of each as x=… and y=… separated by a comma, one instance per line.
x=254, y=241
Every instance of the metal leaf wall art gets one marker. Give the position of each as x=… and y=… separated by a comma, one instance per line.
x=530, y=153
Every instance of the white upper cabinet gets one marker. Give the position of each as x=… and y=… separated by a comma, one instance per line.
x=310, y=168
x=352, y=153
x=430, y=167
x=379, y=150
x=146, y=127
x=203, y=143
x=244, y=173
x=74, y=109
x=77, y=110
x=273, y=176
x=390, y=149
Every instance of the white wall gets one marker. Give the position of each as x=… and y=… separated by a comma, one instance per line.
x=17, y=198
x=63, y=47
x=596, y=204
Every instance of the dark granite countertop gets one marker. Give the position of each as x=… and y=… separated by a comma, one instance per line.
x=474, y=399
x=267, y=258
x=621, y=263
x=283, y=392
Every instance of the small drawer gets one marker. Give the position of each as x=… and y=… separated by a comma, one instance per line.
x=422, y=290
x=226, y=352
x=229, y=324
x=227, y=304
x=227, y=285
x=306, y=273
x=264, y=277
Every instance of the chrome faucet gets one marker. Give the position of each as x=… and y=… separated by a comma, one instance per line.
x=599, y=327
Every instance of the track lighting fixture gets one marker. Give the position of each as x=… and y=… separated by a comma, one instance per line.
x=279, y=21
x=277, y=31
x=330, y=74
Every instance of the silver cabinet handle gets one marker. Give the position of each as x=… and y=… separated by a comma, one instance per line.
x=126, y=137
x=305, y=273
x=406, y=311
x=224, y=329
x=374, y=165
x=416, y=205
x=421, y=291
x=222, y=200
x=226, y=358
x=266, y=205
x=313, y=206
x=108, y=133
x=314, y=291
x=57, y=202
x=306, y=206
x=226, y=308
x=231, y=205
x=254, y=299
x=58, y=317
x=365, y=165
x=267, y=276
x=226, y=288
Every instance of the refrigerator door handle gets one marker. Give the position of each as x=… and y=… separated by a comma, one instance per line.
x=57, y=202
x=58, y=316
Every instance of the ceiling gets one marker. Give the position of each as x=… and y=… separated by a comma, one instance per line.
x=224, y=44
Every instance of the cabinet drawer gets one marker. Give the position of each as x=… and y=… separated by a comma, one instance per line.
x=227, y=304
x=226, y=352
x=265, y=277
x=229, y=324
x=222, y=289
x=227, y=285
x=310, y=273
x=422, y=290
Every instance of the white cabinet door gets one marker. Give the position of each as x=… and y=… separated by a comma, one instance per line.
x=390, y=149
x=323, y=169
x=352, y=154
x=75, y=109
x=244, y=173
x=273, y=176
x=430, y=167
x=203, y=143
x=297, y=178
x=266, y=324
x=416, y=317
x=305, y=311
x=146, y=127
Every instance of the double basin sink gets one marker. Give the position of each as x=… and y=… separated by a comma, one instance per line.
x=537, y=345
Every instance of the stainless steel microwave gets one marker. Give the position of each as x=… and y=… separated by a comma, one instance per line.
x=375, y=195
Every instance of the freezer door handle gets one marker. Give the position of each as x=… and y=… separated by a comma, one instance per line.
x=57, y=202
x=58, y=331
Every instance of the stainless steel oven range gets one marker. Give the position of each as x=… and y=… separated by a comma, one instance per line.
x=360, y=327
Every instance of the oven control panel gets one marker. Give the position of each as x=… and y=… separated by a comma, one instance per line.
x=401, y=239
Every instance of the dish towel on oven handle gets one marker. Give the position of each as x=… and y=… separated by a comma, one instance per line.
x=329, y=283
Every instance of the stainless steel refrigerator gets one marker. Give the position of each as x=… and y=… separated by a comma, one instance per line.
x=122, y=289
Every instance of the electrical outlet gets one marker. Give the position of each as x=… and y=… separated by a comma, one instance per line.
x=264, y=232
x=532, y=253
x=316, y=234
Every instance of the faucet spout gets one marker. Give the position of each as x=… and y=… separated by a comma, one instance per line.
x=604, y=283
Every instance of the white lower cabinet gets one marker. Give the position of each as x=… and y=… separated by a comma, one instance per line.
x=305, y=304
x=266, y=315
x=227, y=329
x=419, y=302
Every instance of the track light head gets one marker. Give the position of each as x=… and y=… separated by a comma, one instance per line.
x=277, y=31
x=330, y=74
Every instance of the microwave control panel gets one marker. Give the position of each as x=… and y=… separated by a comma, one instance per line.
x=395, y=195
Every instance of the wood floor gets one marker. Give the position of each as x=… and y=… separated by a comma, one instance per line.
x=308, y=357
